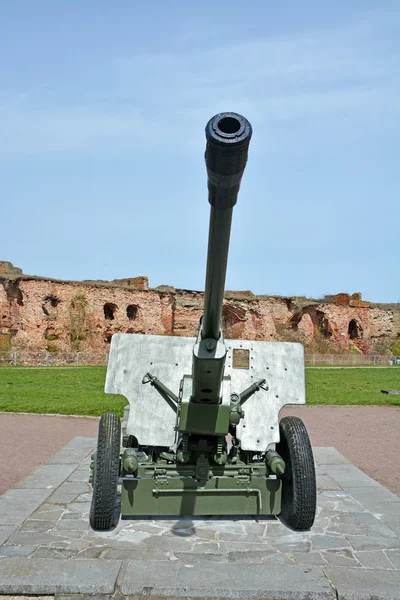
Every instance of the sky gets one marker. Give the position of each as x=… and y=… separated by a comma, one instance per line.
x=103, y=107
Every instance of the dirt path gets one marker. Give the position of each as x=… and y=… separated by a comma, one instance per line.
x=27, y=441
x=369, y=436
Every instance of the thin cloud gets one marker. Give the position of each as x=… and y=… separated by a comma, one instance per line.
x=299, y=89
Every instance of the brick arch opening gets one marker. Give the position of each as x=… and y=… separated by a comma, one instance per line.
x=54, y=301
x=318, y=317
x=50, y=301
x=322, y=324
x=109, y=311
x=354, y=330
x=132, y=311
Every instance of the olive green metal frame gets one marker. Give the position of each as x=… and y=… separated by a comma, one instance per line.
x=184, y=496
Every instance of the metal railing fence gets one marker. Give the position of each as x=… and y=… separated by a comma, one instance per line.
x=350, y=359
x=44, y=358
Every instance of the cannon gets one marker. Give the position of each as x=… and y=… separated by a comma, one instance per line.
x=202, y=435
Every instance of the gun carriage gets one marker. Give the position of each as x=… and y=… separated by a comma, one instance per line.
x=203, y=435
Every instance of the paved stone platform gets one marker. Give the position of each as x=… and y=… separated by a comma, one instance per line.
x=47, y=547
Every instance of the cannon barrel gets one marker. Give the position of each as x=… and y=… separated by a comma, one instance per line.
x=228, y=136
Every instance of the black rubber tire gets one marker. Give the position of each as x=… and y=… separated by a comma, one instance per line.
x=105, y=481
x=299, y=489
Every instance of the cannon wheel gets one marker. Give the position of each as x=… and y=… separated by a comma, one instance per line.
x=106, y=473
x=299, y=491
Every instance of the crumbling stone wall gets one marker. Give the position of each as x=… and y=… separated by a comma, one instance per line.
x=45, y=314
x=7, y=268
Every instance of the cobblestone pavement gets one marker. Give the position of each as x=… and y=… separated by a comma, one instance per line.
x=353, y=550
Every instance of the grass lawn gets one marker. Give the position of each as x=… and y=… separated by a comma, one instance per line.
x=79, y=390
x=63, y=390
x=352, y=386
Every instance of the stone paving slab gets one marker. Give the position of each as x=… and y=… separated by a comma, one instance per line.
x=47, y=477
x=226, y=581
x=17, y=504
x=358, y=584
x=51, y=576
x=46, y=545
x=6, y=597
x=330, y=456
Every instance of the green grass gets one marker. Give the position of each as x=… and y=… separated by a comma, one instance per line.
x=62, y=390
x=79, y=390
x=352, y=386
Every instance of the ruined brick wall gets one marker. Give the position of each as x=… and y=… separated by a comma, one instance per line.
x=45, y=314
x=7, y=268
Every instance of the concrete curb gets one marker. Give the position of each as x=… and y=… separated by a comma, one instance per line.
x=137, y=578
x=44, y=576
x=6, y=412
x=224, y=581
